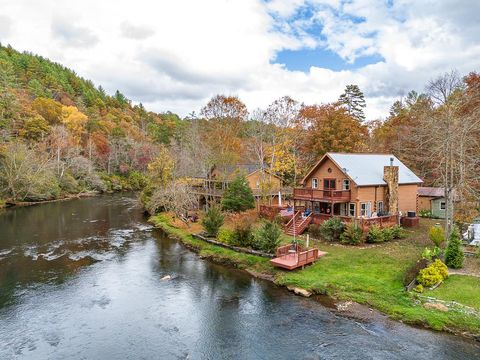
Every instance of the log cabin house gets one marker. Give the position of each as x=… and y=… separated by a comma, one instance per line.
x=365, y=188
x=267, y=188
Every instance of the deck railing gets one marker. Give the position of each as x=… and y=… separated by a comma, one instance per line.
x=317, y=195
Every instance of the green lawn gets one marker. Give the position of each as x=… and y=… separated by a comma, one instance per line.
x=370, y=275
x=460, y=288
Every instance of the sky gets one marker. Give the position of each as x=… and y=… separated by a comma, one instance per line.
x=175, y=55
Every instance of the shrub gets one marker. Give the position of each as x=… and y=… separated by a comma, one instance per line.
x=331, y=229
x=225, y=236
x=242, y=232
x=441, y=267
x=433, y=274
x=238, y=197
x=375, y=235
x=268, y=237
x=388, y=234
x=436, y=235
x=431, y=254
x=352, y=235
x=314, y=231
x=418, y=288
x=425, y=213
x=398, y=232
x=137, y=180
x=454, y=254
x=213, y=220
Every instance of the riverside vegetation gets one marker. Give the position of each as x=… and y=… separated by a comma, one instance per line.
x=372, y=275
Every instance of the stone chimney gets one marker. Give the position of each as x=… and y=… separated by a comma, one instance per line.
x=390, y=175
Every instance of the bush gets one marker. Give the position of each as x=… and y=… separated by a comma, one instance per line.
x=314, y=231
x=225, y=236
x=431, y=254
x=388, y=234
x=441, y=267
x=331, y=229
x=375, y=235
x=454, y=254
x=429, y=276
x=268, y=237
x=418, y=288
x=352, y=235
x=436, y=235
x=238, y=197
x=425, y=213
x=397, y=231
x=213, y=220
x=242, y=232
x=137, y=180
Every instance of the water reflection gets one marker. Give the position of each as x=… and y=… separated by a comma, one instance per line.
x=89, y=286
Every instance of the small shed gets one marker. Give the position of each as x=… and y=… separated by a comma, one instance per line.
x=433, y=200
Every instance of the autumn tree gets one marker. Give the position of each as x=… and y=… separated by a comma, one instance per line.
x=49, y=109
x=331, y=128
x=225, y=115
x=354, y=102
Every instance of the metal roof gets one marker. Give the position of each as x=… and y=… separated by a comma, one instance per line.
x=367, y=169
x=431, y=191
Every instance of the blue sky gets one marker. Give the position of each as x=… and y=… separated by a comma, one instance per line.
x=302, y=60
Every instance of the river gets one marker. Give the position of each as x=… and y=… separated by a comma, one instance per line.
x=82, y=279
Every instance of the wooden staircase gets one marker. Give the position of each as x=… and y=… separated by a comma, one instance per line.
x=297, y=224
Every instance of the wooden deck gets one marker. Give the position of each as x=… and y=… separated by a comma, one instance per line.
x=290, y=257
x=310, y=194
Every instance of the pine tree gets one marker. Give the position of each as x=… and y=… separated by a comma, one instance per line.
x=454, y=255
x=238, y=197
x=354, y=101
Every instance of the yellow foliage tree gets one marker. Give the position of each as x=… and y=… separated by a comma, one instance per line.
x=75, y=122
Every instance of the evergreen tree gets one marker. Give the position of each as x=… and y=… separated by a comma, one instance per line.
x=454, y=255
x=238, y=197
x=354, y=101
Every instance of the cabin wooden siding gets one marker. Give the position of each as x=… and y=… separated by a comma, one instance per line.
x=322, y=173
x=425, y=203
x=257, y=178
x=407, y=198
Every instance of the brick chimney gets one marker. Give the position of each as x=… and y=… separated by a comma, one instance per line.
x=390, y=175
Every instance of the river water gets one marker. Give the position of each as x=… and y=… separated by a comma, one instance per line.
x=82, y=279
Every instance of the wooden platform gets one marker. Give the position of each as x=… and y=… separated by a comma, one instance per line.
x=294, y=260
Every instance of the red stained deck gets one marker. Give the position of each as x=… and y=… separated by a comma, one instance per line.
x=293, y=260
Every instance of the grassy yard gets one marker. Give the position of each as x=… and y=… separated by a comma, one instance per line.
x=370, y=275
x=460, y=288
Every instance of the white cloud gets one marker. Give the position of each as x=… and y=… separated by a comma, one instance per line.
x=174, y=55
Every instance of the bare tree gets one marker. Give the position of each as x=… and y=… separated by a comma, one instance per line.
x=175, y=197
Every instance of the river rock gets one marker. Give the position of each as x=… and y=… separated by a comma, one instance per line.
x=299, y=291
x=436, y=306
x=166, y=277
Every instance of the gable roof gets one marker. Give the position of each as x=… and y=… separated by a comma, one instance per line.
x=367, y=169
x=431, y=191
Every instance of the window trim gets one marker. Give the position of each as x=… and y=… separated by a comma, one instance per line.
x=346, y=181
x=368, y=209
x=316, y=180
x=350, y=209
x=330, y=180
x=378, y=206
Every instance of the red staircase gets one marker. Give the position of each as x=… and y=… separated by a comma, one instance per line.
x=297, y=224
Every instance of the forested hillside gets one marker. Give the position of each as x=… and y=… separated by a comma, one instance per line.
x=60, y=134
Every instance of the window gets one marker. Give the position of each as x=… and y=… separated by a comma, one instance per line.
x=258, y=184
x=316, y=207
x=442, y=205
x=343, y=209
x=314, y=183
x=365, y=209
x=351, y=209
x=329, y=184
x=380, y=207
x=346, y=184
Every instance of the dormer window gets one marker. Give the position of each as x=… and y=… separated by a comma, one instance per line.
x=314, y=183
